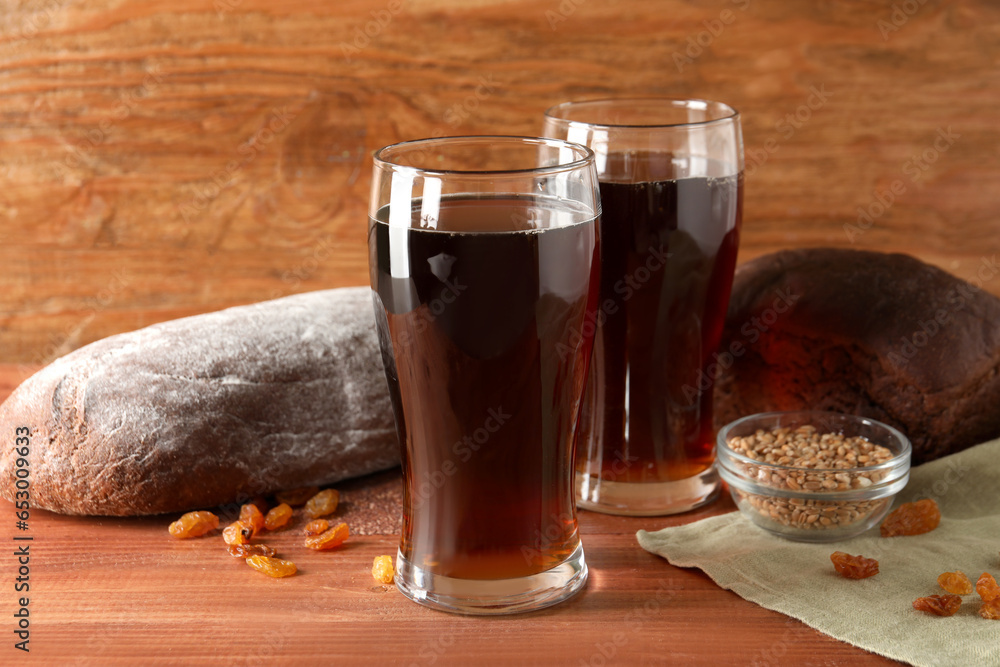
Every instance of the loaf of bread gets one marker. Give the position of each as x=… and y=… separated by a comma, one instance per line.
x=881, y=335
x=207, y=410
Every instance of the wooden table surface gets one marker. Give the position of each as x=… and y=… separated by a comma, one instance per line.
x=112, y=591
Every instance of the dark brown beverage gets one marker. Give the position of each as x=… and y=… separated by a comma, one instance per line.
x=668, y=254
x=480, y=308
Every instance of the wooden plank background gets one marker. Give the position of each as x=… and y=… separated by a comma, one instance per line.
x=163, y=158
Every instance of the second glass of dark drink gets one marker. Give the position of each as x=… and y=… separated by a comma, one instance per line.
x=484, y=267
x=671, y=181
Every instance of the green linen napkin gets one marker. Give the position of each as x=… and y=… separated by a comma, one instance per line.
x=875, y=614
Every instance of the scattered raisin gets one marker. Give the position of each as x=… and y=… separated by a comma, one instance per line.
x=194, y=524
x=955, y=582
x=323, y=503
x=329, y=539
x=991, y=609
x=939, y=605
x=382, y=569
x=296, y=497
x=987, y=587
x=916, y=518
x=317, y=526
x=272, y=567
x=237, y=533
x=853, y=567
x=278, y=517
x=247, y=550
x=250, y=515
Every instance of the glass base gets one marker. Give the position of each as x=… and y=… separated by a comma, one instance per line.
x=646, y=498
x=492, y=596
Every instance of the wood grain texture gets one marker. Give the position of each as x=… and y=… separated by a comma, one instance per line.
x=108, y=591
x=160, y=159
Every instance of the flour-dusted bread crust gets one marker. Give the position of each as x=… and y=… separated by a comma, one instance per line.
x=881, y=335
x=206, y=410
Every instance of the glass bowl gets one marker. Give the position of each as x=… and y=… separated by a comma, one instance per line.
x=816, y=485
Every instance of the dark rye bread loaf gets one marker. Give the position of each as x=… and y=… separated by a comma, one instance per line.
x=208, y=409
x=880, y=335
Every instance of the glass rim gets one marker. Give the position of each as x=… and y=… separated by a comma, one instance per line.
x=587, y=155
x=732, y=114
x=904, y=454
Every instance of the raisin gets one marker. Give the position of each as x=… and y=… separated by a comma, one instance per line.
x=853, y=567
x=317, y=526
x=194, y=524
x=916, y=518
x=328, y=539
x=247, y=550
x=991, y=609
x=382, y=569
x=272, y=567
x=296, y=497
x=250, y=515
x=939, y=605
x=237, y=533
x=987, y=587
x=955, y=582
x=278, y=517
x=323, y=503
